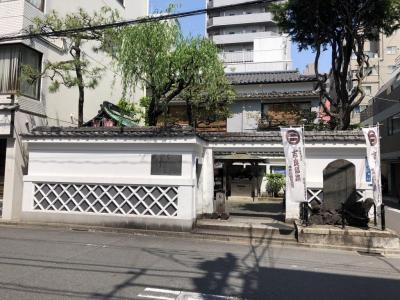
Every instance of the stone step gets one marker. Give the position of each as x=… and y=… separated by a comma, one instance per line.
x=257, y=230
x=350, y=236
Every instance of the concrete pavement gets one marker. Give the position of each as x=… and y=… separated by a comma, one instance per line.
x=392, y=212
x=62, y=264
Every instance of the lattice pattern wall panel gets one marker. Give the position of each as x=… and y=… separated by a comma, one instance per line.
x=316, y=194
x=106, y=199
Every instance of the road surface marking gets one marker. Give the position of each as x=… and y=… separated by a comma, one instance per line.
x=163, y=294
x=162, y=291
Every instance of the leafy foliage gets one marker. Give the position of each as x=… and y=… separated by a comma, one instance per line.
x=344, y=26
x=130, y=109
x=78, y=70
x=275, y=183
x=172, y=67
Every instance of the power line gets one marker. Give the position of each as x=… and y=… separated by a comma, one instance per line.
x=61, y=33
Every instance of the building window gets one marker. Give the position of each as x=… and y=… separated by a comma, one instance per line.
x=368, y=90
x=391, y=69
x=288, y=113
x=12, y=58
x=170, y=165
x=394, y=124
x=39, y=4
x=121, y=2
x=391, y=50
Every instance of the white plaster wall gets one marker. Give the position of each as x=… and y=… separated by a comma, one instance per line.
x=277, y=87
x=317, y=159
x=271, y=49
x=110, y=162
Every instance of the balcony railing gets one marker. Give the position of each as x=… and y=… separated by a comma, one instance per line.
x=236, y=38
x=240, y=19
x=237, y=57
x=218, y=3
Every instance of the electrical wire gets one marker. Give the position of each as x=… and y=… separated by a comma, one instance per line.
x=61, y=33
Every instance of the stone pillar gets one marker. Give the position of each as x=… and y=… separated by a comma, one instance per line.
x=292, y=211
x=13, y=181
x=207, y=203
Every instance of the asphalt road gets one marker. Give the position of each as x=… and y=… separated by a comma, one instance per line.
x=392, y=212
x=59, y=264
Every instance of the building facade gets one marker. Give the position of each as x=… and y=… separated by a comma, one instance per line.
x=249, y=39
x=161, y=179
x=267, y=100
x=385, y=110
x=384, y=59
x=24, y=105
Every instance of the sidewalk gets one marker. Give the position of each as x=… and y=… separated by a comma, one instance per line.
x=392, y=202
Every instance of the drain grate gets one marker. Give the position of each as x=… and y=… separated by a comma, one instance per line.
x=366, y=253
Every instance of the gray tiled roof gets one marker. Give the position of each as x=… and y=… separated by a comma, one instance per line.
x=93, y=132
x=153, y=132
x=275, y=136
x=268, y=77
x=274, y=95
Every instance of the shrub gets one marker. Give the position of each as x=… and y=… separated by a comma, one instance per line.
x=275, y=183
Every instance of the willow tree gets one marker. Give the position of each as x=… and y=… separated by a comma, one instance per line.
x=76, y=70
x=344, y=26
x=171, y=67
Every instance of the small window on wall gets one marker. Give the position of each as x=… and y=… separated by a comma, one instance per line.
x=12, y=58
x=368, y=90
x=391, y=50
x=39, y=4
x=168, y=165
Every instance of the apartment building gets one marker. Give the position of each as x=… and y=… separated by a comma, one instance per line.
x=249, y=39
x=384, y=59
x=24, y=105
x=385, y=110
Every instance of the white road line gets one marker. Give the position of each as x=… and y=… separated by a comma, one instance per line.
x=156, y=297
x=163, y=294
x=162, y=291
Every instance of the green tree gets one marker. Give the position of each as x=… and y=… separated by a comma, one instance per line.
x=344, y=26
x=171, y=67
x=275, y=183
x=77, y=71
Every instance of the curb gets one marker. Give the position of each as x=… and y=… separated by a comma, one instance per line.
x=195, y=236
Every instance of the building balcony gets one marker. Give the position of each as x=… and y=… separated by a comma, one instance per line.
x=219, y=3
x=239, y=38
x=237, y=57
x=240, y=19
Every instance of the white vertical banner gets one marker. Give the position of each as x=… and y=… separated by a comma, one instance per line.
x=374, y=161
x=293, y=144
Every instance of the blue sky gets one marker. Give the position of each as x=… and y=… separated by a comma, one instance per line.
x=195, y=26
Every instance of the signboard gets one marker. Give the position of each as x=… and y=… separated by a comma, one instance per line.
x=293, y=144
x=5, y=123
x=374, y=161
